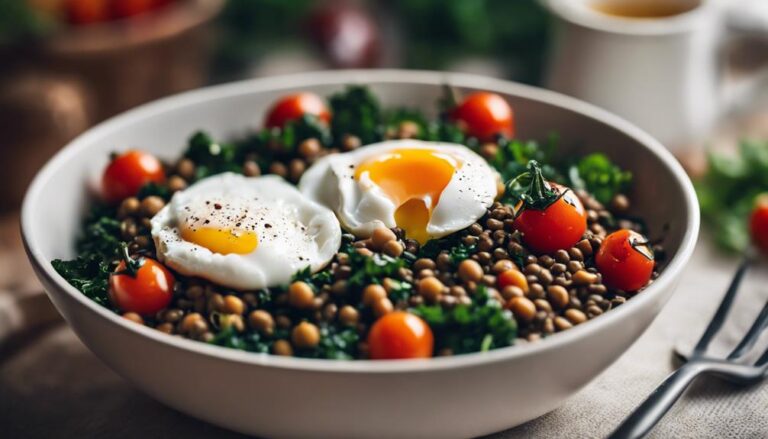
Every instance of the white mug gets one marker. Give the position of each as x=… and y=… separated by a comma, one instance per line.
x=664, y=72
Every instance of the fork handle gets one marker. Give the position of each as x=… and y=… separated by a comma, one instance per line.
x=658, y=403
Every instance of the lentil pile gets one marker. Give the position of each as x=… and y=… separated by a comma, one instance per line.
x=478, y=289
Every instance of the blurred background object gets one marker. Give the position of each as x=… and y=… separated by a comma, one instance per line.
x=658, y=63
x=68, y=64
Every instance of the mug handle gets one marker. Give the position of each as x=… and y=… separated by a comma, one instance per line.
x=745, y=18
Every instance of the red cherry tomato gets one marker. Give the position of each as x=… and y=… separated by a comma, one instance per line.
x=758, y=223
x=86, y=11
x=625, y=260
x=129, y=8
x=146, y=293
x=128, y=172
x=485, y=115
x=400, y=335
x=559, y=226
x=294, y=107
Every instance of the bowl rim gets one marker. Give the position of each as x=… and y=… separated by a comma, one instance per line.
x=342, y=77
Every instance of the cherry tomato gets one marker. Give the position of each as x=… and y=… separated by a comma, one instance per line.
x=400, y=335
x=86, y=11
x=758, y=223
x=294, y=106
x=129, y=8
x=625, y=260
x=513, y=277
x=128, y=172
x=485, y=115
x=559, y=226
x=147, y=292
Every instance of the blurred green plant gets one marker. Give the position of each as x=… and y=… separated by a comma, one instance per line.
x=19, y=20
x=250, y=28
x=512, y=31
x=435, y=32
x=727, y=192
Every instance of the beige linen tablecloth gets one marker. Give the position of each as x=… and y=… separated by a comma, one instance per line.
x=52, y=386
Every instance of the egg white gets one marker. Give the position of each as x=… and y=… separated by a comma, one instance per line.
x=362, y=206
x=293, y=232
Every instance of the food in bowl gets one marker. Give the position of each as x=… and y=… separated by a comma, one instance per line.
x=379, y=234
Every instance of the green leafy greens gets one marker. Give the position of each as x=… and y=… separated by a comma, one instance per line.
x=97, y=247
x=598, y=175
x=481, y=326
x=356, y=111
x=727, y=192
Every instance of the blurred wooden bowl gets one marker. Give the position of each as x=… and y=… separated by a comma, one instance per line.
x=131, y=61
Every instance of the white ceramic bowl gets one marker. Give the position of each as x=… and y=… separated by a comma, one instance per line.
x=458, y=396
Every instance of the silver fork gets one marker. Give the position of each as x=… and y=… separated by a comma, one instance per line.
x=731, y=368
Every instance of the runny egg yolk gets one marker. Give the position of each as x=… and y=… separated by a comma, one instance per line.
x=221, y=240
x=413, y=179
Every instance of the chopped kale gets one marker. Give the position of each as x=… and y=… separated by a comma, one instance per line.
x=393, y=119
x=316, y=280
x=356, y=111
x=296, y=131
x=250, y=341
x=97, y=248
x=457, y=250
x=335, y=344
x=367, y=270
x=513, y=156
x=399, y=290
x=446, y=131
x=212, y=157
x=481, y=326
x=101, y=235
x=155, y=189
x=88, y=273
x=598, y=175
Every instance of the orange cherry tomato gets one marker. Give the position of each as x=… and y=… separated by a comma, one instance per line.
x=558, y=226
x=147, y=292
x=513, y=277
x=400, y=335
x=485, y=115
x=758, y=223
x=86, y=11
x=128, y=172
x=294, y=107
x=625, y=260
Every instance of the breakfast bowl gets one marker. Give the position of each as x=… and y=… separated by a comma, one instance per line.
x=458, y=396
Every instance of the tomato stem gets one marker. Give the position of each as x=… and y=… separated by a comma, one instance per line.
x=132, y=266
x=448, y=100
x=539, y=194
x=643, y=247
